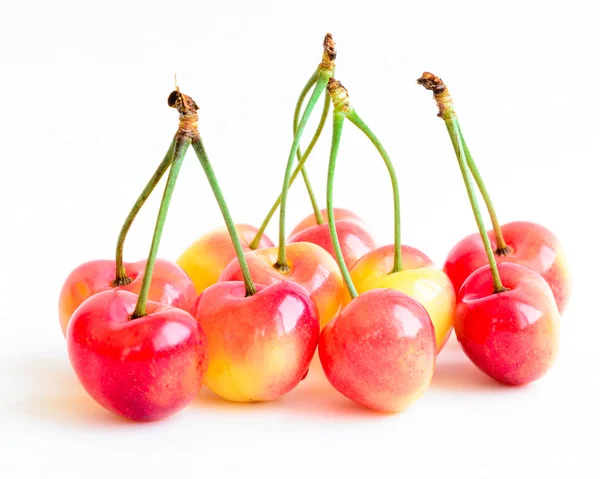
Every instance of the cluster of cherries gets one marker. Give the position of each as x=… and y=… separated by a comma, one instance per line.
x=245, y=317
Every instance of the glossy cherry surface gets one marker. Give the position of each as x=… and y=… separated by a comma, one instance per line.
x=419, y=279
x=531, y=245
x=260, y=346
x=354, y=238
x=144, y=369
x=380, y=350
x=207, y=257
x=170, y=285
x=309, y=265
x=511, y=336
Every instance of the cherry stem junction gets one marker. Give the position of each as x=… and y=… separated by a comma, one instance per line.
x=235, y=239
x=354, y=118
x=121, y=278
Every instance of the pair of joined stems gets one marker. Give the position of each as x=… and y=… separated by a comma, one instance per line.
x=178, y=150
x=341, y=112
x=468, y=168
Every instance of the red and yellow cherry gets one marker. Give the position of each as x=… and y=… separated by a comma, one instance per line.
x=260, y=346
x=511, y=336
x=207, y=257
x=380, y=350
x=354, y=238
x=309, y=265
x=419, y=279
x=529, y=244
x=143, y=369
x=170, y=285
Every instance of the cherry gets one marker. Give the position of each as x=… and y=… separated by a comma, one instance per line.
x=170, y=285
x=206, y=258
x=380, y=350
x=519, y=242
x=354, y=238
x=261, y=339
x=512, y=336
x=506, y=318
x=260, y=346
x=144, y=369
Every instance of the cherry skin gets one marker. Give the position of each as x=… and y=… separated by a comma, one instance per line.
x=530, y=244
x=170, y=285
x=419, y=279
x=207, y=257
x=260, y=346
x=309, y=265
x=354, y=238
x=511, y=336
x=380, y=350
x=143, y=369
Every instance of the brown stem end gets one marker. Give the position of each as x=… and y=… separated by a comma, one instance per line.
x=329, y=53
x=339, y=95
x=188, y=113
x=442, y=97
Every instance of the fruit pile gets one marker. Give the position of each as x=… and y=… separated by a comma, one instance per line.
x=245, y=317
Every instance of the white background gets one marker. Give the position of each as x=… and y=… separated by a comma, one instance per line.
x=84, y=122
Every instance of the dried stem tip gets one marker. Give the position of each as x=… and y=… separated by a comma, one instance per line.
x=339, y=96
x=442, y=98
x=329, y=53
x=188, y=116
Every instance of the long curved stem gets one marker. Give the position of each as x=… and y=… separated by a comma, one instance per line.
x=235, y=239
x=501, y=244
x=121, y=278
x=354, y=118
x=181, y=145
x=309, y=189
x=338, y=123
x=313, y=142
x=319, y=87
x=454, y=132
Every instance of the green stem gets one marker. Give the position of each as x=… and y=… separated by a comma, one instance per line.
x=501, y=244
x=338, y=123
x=235, y=239
x=181, y=145
x=312, y=80
x=454, y=132
x=354, y=118
x=313, y=142
x=121, y=278
x=319, y=87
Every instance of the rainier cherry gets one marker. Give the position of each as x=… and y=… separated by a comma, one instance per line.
x=140, y=359
x=519, y=242
x=506, y=318
x=206, y=258
x=261, y=339
x=380, y=350
x=170, y=285
x=354, y=238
